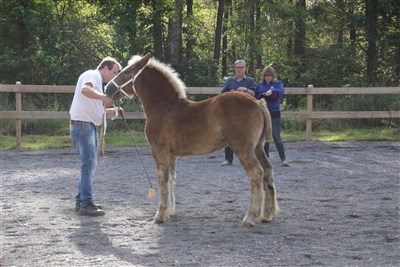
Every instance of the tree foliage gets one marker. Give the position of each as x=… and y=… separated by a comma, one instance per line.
x=327, y=43
x=320, y=42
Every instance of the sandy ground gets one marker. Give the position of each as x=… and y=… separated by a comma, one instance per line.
x=339, y=207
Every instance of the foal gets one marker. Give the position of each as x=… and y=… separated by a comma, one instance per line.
x=176, y=126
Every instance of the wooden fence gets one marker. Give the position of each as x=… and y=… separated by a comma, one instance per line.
x=309, y=115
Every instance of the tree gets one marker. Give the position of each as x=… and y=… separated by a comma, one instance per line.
x=227, y=11
x=371, y=16
x=323, y=42
x=252, y=35
x=157, y=29
x=218, y=30
x=174, y=38
x=300, y=30
x=190, y=38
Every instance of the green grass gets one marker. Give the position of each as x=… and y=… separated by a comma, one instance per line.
x=46, y=142
x=351, y=134
x=125, y=139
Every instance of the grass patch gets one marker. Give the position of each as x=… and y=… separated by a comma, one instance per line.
x=373, y=134
x=125, y=139
x=45, y=141
x=133, y=138
x=36, y=142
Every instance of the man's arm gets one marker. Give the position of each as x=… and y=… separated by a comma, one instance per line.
x=88, y=91
x=225, y=88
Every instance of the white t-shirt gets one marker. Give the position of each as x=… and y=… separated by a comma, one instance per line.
x=84, y=108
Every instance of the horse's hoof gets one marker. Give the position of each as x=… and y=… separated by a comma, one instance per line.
x=247, y=224
x=266, y=220
x=157, y=221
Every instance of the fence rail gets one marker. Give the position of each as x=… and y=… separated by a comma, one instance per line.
x=309, y=115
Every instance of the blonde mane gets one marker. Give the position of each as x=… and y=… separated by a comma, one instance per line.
x=167, y=71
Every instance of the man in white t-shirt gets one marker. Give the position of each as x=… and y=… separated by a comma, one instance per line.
x=87, y=111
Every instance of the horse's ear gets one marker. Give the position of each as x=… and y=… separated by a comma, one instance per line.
x=145, y=59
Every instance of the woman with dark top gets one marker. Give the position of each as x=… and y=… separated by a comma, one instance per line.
x=271, y=89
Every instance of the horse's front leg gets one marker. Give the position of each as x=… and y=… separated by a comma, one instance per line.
x=171, y=183
x=163, y=175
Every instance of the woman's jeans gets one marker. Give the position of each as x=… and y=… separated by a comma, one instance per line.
x=84, y=136
x=276, y=135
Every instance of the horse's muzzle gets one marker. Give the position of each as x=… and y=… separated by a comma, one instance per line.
x=111, y=90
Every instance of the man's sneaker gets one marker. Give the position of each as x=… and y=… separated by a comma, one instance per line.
x=78, y=206
x=91, y=210
x=226, y=163
x=285, y=163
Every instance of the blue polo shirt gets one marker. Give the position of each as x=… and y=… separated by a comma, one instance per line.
x=232, y=84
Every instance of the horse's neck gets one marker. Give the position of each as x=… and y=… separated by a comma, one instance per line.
x=158, y=103
x=158, y=96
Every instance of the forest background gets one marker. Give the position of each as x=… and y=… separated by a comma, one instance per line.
x=326, y=43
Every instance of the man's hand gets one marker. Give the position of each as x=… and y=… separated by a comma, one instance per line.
x=108, y=101
x=88, y=91
x=247, y=91
x=115, y=112
x=120, y=111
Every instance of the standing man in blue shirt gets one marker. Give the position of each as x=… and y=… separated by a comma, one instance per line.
x=240, y=82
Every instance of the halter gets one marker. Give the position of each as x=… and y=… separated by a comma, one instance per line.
x=119, y=87
x=120, y=90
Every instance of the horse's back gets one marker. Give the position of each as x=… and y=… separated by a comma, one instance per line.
x=192, y=128
x=236, y=108
x=238, y=116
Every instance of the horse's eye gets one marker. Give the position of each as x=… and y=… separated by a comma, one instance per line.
x=126, y=72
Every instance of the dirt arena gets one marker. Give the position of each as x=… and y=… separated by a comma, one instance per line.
x=339, y=207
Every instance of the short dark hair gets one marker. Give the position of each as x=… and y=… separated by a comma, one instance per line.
x=109, y=62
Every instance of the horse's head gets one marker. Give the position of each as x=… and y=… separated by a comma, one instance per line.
x=122, y=84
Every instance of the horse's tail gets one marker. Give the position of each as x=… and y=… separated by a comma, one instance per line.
x=267, y=131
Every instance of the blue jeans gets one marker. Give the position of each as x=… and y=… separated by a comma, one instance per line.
x=228, y=154
x=276, y=135
x=84, y=136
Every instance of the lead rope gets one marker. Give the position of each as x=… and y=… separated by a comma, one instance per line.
x=102, y=141
x=151, y=193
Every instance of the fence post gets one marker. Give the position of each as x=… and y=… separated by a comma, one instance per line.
x=18, y=108
x=309, y=111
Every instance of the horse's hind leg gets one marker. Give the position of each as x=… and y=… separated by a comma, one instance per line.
x=255, y=173
x=270, y=206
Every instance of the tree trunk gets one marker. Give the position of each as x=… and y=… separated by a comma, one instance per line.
x=25, y=40
x=132, y=28
x=228, y=4
x=341, y=18
x=189, y=29
x=258, y=35
x=251, y=23
x=174, y=39
x=300, y=30
x=352, y=27
x=371, y=18
x=157, y=29
x=218, y=31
